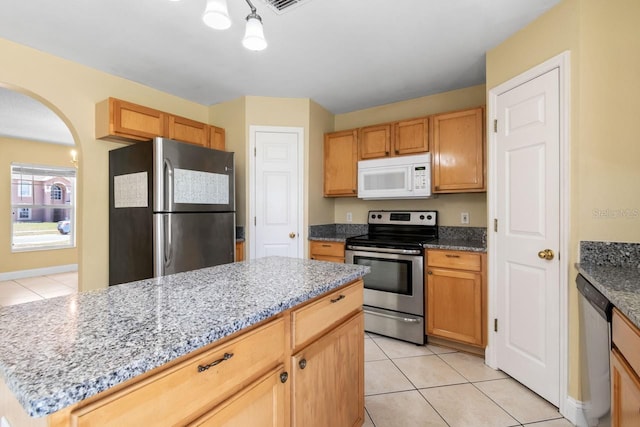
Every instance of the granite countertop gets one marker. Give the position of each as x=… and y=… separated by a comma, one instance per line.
x=621, y=286
x=59, y=351
x=457, y=245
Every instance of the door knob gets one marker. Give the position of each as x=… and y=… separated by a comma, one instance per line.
x=292, y=235
x=546, y=254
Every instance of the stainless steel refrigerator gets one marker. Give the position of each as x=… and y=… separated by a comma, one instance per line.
x=171, y=209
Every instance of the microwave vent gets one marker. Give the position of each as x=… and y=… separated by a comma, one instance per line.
x=282, y=6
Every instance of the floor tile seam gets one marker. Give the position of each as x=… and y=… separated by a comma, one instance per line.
x=433, y=407
x=454, y=368
x=367, y=414
x=405, y=375
x=498, y=405
x=389, y=392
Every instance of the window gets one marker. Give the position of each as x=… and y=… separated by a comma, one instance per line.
x=42, y=207
x=56, y=192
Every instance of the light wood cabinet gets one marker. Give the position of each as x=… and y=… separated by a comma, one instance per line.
x=341, y=164
x=321, y=250
x=217, y=138
x=455, y=296
x=374, y=142
x=239, y=251
x=328, y=344
x=459, y=152
x=411, y=136
x=127, y=122
x=187, y=130
x=625, y=372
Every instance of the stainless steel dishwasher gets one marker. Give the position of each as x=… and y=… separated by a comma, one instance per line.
x=595, y=345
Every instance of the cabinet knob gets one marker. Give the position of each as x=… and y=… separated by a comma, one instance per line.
x=397, y=151
x=386, y=153
x=284, y=377
x=429, y=272
x=303, y=363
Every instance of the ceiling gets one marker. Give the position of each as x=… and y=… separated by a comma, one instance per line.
x=346, y=55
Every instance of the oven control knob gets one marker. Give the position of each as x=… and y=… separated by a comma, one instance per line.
x=379, y=216
x=429, y=217
x=422, y=217
x=373, y=217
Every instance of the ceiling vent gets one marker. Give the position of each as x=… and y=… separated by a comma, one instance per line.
x=282, y=6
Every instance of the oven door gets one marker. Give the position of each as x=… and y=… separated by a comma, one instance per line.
x=396, y=281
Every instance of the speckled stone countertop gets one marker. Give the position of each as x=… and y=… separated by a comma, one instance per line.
x=614, y=269
x=336, y=232
x=457, y=245
x=57, y=352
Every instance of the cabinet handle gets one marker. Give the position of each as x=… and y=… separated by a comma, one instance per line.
x=326, y=245
x=226, y=356
x=337, y=299
x=353, y=191
x=284, y=377
x=429, y=272
x=302, y=363
x=397, y=151
x=386, y=153
x=453, y=256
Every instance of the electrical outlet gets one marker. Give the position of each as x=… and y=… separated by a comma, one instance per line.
x=464, y=217
x=349, y=217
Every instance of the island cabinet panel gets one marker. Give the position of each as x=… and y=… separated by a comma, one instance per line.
x=374, y=142
x=341, y=164
x=458, y=152
x=326, y=251
x=625, y=371
x=239, y=251
x=310, y=321
x=455, y=296
x=186, y=390
x=187, y=130
x=125, y=121
x=328, y=378
x=411, y=136
x=261, y=404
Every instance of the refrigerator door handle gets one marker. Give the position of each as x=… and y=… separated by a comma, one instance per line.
x=168, y=187
x=168, y=246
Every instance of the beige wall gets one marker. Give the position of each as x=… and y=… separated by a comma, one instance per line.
x=321, y=209
x=72, y=90
x=449, y=206
x=22, y=151
x=604, y=44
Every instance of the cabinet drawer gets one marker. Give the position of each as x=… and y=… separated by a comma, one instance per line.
x=335, y=249
x=626, y=338
x=317, y=317
x=185, y=389
x=455, y=259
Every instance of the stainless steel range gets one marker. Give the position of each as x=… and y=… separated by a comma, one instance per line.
x=394, y=290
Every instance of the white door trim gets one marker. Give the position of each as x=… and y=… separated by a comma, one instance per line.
x=562, y=63
x=253, y=129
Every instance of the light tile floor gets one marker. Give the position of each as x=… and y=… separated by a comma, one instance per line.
x=29, y=289
x=408, y=385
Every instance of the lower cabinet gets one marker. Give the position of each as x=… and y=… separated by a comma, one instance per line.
x=326, y=251
x=455, y=296
x=328, y=378
x=625, y=372
x=239, y=251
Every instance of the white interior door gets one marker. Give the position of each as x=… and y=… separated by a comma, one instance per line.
x=277, y=191
x=528, y=214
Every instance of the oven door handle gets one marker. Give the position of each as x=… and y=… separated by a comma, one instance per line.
x=385, y=250
x=389, y=316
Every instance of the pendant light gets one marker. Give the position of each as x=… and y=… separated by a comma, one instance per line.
x=216, y=15
x=254, y=33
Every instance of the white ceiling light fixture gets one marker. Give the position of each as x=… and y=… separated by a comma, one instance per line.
x=216, y=16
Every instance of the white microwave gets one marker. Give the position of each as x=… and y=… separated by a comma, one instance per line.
x=402, y=177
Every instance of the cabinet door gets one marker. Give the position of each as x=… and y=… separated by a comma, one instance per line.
x=458, y=152
x=239, y=251
x=260, y=404
x=411, y=136
x=216, y=138
x=454, y=305
x=122, y=120
x=625, y=393
x=187, y=130
x=333, y=365
x=375, y=142
x=341, y=164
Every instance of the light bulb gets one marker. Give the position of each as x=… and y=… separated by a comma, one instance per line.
x=254, y=34
x=216, y=15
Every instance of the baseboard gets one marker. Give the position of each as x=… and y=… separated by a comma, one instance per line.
x=574, y=412
x=22, y=274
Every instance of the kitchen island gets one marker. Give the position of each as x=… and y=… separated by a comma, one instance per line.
x=139, y=349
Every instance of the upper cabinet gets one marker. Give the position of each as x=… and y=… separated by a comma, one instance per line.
x=411, y=136
x=123, y=121
x=341, y=164
x=394, y=139
x=458, y=152
x=375, y=142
